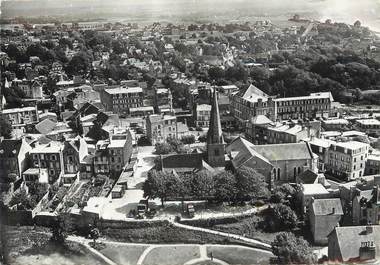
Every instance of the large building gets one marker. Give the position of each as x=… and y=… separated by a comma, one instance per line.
x=161, y=127
x=120, y=100
x=316, y=105
x=253, y=102
x=250, y=103
x=262, y=130
x=347, y=160
x=280, y=163
x=20, y=117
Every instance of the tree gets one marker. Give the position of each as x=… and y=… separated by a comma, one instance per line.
x=160, y=185
x=163, y=148
x=290, y=249
x=250, y=183
x=188, y=139
x=5, y=128
x=94, y=234
x=202, y=185
x=60, y=228
x=79, y=64
x=280, y=193
x=225, y=187
x=281, y=217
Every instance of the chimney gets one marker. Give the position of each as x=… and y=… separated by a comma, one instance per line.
x=333, y=210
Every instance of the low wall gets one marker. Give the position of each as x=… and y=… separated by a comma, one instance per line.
x=209, y=222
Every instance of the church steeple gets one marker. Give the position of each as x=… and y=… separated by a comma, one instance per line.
x=215, y=135
x=215, y=141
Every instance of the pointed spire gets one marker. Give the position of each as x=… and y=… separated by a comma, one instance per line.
x=215, y=135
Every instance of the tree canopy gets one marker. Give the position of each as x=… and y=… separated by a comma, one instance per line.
x=290, y=249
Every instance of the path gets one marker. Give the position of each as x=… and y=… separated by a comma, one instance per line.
x=203, y=255
x=228, y=235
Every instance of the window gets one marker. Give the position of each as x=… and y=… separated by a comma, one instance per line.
x=216, y=152
x=278, y=173
x=52, y=157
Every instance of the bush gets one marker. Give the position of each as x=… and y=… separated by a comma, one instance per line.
x=189, y=139
x=143, y=141
x=202, y=138
x=199, y=129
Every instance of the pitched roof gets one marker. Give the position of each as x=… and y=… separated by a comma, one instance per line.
x=45, y=126
x=327, y=207
x=308, y=177
x=289, y=151
x=253, y=94
x=350, y=240
x=10, y=148
x=183, y=162
x=244, y=151
x=261, y=119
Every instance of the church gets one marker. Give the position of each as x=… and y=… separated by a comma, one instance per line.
x=212, y=160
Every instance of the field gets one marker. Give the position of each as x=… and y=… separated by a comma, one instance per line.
x=122, y=254
x=131, y=254
x=162, y=234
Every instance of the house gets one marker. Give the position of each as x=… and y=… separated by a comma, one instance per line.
x=347, y=160
x=74, y=151
x=122, y=99
x=372, y=165
x=49, y=156
x=20, y=117
x=13, y=160
x=354, y=244
x=161, y=127
x=262, y=130
x=202, y=115
x=36, y=175
x=369, y=126
x=324, y=216
x=310, y=192
x=120, y=150
x=366, y=207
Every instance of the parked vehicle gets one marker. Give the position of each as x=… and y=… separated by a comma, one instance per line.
x=190, y=210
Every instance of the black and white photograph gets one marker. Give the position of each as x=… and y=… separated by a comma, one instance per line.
x=189, y=132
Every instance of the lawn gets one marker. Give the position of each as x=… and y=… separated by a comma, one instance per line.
x=122, y=254
x=173, y=255
x=162, y=235
x=241, y=256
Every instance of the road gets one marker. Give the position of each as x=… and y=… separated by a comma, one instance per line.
x=118, y=209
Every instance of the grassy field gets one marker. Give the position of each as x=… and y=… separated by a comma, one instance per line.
x=176, y=255
x=162, y=235
x=123, y=254
x=242, y=256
